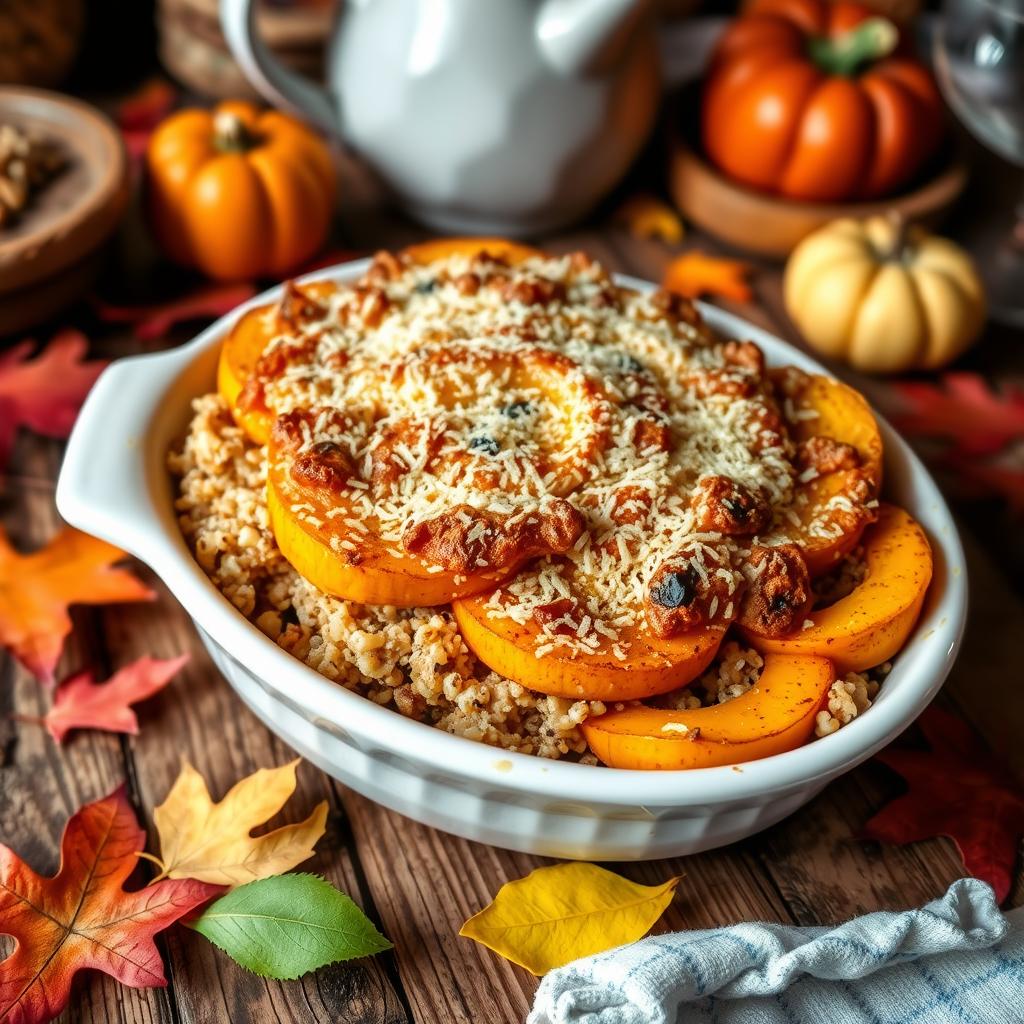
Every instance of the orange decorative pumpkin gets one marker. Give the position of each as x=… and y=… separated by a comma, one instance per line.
x=813, y=101
x=239, y=192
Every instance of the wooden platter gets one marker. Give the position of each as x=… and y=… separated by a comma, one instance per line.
x=69, y=218
x=770, y=225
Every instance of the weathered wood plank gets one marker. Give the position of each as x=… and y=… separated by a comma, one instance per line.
x=426, y=884
x=41, y=784
x=199, y=718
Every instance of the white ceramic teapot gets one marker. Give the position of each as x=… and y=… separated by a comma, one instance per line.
x=484, y=116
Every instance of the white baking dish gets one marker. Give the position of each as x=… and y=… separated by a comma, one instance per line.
x=114, y=485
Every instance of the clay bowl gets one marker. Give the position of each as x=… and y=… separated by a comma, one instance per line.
x=48, y=254
x=770, y=225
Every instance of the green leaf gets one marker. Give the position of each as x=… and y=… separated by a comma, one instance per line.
x=286, y=926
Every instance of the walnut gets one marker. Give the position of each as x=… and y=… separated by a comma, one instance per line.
x=297, y=308
x=27, y=163
x=533, y=291
x=466, y=539
x=675, y=308
x=722, y=505
x=744, y=354
x=826, y=455
x=326, y=465
x=778, y=591
x=680, y=597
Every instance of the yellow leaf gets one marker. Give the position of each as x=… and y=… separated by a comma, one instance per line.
x=561, y=913
x=694, y=274
x=647, y=217
x=211, y=842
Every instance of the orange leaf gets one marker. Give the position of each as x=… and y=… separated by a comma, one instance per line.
x=36, y=589
x=694, y=274
x=645, y=216
x=81, y=917
x=82, y=704
x=46, y=392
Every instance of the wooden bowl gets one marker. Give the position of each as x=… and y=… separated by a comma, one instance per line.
x=70, y=217
x=770, y=225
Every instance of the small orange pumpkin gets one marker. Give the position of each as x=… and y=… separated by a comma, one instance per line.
x=807, y=99
x=239, y=192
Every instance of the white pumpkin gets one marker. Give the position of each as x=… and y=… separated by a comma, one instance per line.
x=884, y=299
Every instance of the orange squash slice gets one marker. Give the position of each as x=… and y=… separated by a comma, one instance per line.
x=775, y=715
x=364, y=570
x=868, y=626
x=651, y=665
x=844, y=415
x=441, y=248
x=241, y=351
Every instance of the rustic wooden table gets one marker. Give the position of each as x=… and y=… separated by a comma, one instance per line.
x=417, y=884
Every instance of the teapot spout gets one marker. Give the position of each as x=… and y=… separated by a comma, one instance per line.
x=587, y=36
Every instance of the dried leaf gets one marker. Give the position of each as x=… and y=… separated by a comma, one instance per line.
x=644, y=216
x=287, y=926
x=961, y=408
x=695, y=274
x=140, y=113
x=558, y=914
x=44, y=393
x=154, y=320
x=81, y=918
x=36, y=590
x=201, y=839
x=956, y=789
x=993, y=480
x=82, y=704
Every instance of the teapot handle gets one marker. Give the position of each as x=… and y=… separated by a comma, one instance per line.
x=270, y=77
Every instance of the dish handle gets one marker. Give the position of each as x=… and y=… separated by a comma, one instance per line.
x=105, y=484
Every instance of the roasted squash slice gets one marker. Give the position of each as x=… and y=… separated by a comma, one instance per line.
x=365, y=570
x=241, y=351
x=775, y=715
x=442, y=248
x=871, y=624
x=826, y=528
x=249, y=338
x=651, y=666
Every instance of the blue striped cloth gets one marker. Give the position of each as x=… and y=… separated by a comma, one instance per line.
x=958, y=960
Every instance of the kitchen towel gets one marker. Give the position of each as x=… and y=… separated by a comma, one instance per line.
x=958, y=960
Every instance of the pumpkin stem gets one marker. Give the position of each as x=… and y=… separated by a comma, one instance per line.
x=899, y=247
x=869, y=41
x=231, y=134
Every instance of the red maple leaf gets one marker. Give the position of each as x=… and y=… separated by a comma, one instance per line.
x=81, y=703
x=991, y=479
x=36, y=589
x=140, y=113
x=81, y=918
x=957, y=789
x=154, y=320
x=962, y=409
x=44, y=393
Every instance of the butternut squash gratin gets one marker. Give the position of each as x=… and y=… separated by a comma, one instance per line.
x=496, y=491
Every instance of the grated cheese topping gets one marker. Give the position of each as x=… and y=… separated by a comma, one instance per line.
x=500, y=390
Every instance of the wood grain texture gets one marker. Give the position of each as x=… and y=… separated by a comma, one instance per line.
x=418, y=884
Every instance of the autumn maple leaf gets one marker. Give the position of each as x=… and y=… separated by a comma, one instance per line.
x=957, y=789
x=81, y=703
x=694, y=274
x=82, y=918
x=44, y=393
x=962, y=409
x=36, y=590
x=212, y=841
x=154, y=320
